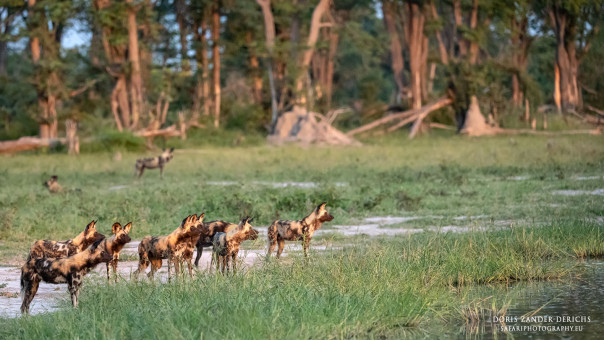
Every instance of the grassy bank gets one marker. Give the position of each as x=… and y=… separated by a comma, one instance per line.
x=383, y=287
x=445, y=177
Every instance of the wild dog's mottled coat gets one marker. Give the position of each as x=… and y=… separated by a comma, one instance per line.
x=302, y=230
x=60, y=249
x=184, y=250
x=210, y=229
x=53, y=184
x=153, y=249
x=68, y=270
x=115, y=244
x=226, y=245
x=153, y=163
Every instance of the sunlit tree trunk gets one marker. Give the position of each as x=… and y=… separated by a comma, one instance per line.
x=216, y=61
x=396, y=49
x=136, y=81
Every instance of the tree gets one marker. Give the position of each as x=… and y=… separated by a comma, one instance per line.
x=574, y=23
x=46, y=22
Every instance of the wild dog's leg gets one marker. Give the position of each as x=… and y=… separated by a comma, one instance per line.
x=143, y=263
x=198, y=256
x=189, y=260
x=306, y=245
x=169, y=264
x=73, y=284
x=225, y=264
x=272, y=239
x=281, y=243
x=234, y=262
x=140, y=171
x=161, y=171
x=177, y=262
x=155, y=266
x=29, y=288
x=108, y=264
x=114, y=262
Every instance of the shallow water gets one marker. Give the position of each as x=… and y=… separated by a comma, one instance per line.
x=568, y=309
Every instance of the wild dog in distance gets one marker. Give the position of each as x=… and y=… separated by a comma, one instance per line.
x=53, y=185
x=68, y=270
x=60, y=249
x=153, y=163
x=115, y=244
x=153, y=249
x=226, y=245
x=302, y=230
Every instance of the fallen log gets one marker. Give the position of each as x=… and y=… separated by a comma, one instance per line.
x=424, y=111
x=169, y=131
x=28, y=143
x=405, y=115
x=381, y=121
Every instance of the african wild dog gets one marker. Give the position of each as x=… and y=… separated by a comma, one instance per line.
x=226, y=245
x=210, y=229
x=58, y=249
x=153, y=163
x=153, y=249
x=302, y=230
x=68, y=270
x=53, y=185
x=115, y=244
x=183, y=251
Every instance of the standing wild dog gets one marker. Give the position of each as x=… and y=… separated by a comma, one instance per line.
x=207, y=234
x=53, y=184
x=153, y=249
x=153, y=163
x=226, y=245
x=184, y=250
x=68, y=270
x=58, y=249
x=115, y=244
x=302, y=230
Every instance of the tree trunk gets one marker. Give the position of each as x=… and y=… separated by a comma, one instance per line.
x=313, y=36
x=566, y=61
x=255, y=69
x=416, y=41
x=181, y=8
x=216, y=61
x=444, y=58
x=333, y=46
x=396, y=50
x=136, y=81
x=473, y=24
x=269, y=27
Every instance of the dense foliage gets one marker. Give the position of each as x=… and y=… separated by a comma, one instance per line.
x=138, y=63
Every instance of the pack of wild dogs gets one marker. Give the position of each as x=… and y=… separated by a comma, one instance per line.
x=68, y=261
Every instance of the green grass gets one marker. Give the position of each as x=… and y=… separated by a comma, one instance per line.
x=383, y=286
x=435, y=176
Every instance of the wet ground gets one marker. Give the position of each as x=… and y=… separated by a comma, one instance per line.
x=49, y=294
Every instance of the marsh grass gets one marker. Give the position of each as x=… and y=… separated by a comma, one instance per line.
x=446, y=177
x=383, y=287
x=387, y=286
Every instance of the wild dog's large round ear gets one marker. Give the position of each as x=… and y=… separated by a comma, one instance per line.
x=250, y=220
x=201, y=216
x=116, y=227
x=54, y=177
x=90, y=225
x=171, y=150
x=127, y=227
x=321, y=206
